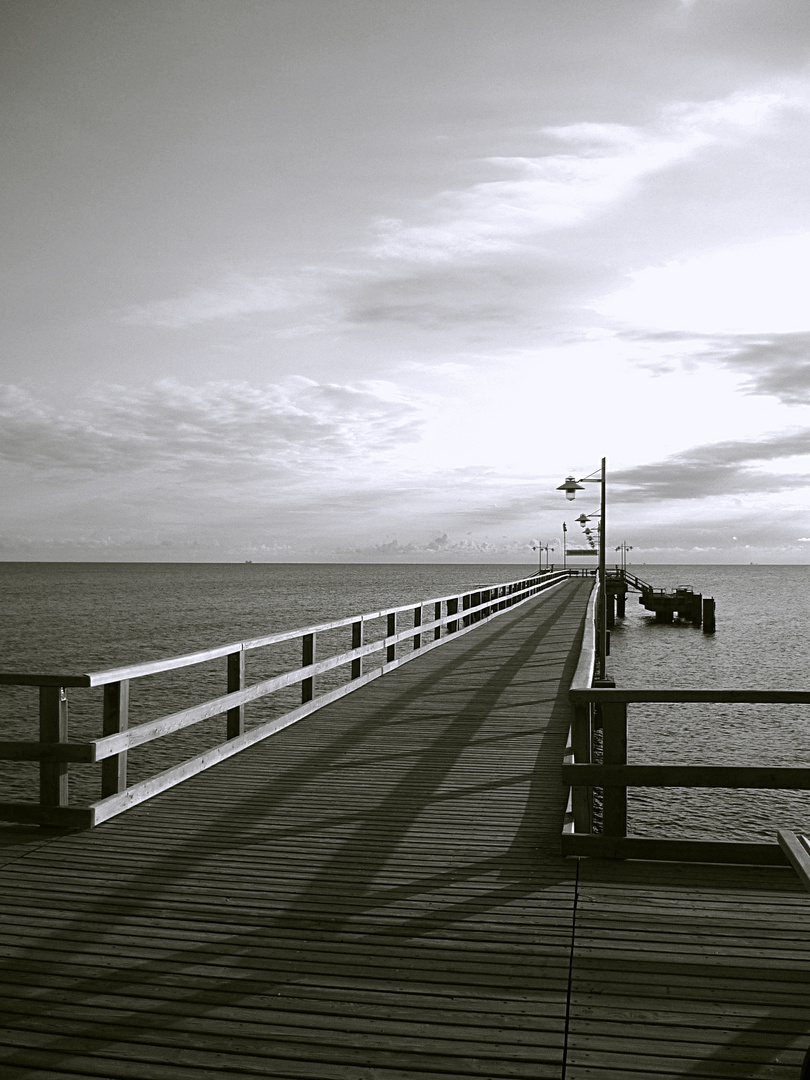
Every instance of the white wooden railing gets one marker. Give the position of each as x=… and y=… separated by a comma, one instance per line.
x=447, y=618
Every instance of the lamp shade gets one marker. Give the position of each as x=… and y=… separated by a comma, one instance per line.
x=570, y=487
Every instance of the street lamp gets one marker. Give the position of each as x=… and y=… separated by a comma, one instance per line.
x=624, y=547
x=571, y=486
x=539, y=546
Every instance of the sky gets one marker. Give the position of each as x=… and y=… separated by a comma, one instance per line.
x=365, y=280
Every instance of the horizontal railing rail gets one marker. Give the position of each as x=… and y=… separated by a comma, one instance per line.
x=596, y=760
x=450, y=616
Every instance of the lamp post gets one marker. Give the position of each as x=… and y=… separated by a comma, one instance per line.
x=571, y=486
x=540, y=547
x=624, y=547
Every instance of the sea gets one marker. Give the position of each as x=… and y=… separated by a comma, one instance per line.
x=80, y=617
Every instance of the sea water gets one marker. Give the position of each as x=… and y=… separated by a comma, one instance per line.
x=79, y=617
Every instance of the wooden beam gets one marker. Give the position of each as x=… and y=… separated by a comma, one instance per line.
x=679, y=694
x=637, y=847
x=307, y=660
x=688, y=776
x=53, y=728
x=797, y=848
x=235, y=717
x=37, y=751
x=115, y=720
x=357, y=641
x=614, y=736
x=64, y=817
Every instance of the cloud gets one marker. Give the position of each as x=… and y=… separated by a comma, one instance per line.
x=234, y=297
x=227, y=427
x=715, y=469
x=777, y=364
x=444, y=547
x=585, y=169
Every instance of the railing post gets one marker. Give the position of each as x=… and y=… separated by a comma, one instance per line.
x=614, y=752
x=417, y=621
x=53, y=728
x=236, y=681
x=465, y=604
x=437, y=614
x=115, y=719
x=581, y=745
x=452, y=609
x=391, y=629
x=307, y=658
x=357, y=642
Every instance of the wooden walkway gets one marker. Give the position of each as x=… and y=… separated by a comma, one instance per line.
x=376, y=893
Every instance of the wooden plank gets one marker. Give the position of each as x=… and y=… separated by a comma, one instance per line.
x=67, y=817
x=38, y=751
x=235, y=717
x=115, y=720
x=614, y=795
x=697, y=776
x=583, y=676
x=797, y=849
x=53, y=728
x=11, y=678
x=689, y=694
x=710, y=851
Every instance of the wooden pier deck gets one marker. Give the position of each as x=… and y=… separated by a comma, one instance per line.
x=376, y=893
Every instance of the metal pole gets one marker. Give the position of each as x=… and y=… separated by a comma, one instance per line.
x=565, y=552
x=602, y=643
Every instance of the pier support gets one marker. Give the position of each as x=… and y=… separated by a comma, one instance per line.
x=708, y=615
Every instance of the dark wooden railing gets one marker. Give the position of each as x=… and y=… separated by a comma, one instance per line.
x=606, y=709
x=55, y=752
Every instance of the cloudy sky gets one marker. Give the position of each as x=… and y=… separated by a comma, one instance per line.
x=365, y=279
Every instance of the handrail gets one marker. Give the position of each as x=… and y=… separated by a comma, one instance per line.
x=171, y=663
x=586, y=766
x=583, y=676
x=453, y=615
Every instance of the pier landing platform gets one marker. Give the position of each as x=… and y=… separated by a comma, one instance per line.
x=376, y=893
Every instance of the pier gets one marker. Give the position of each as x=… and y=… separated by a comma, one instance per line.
x=401, y=877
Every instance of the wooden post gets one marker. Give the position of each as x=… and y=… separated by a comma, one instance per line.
x=581, y=744
x=357, y=641
x=620, y=605
x=452, y=609
x=417, y=621
x=307, y=658
x=614, y=735
x=391, y=650
x=465, y=604
x=708, y=615
x=115, y=719
x=610, y=609
x=236, y=681
x=437, y=614
x=53, y=728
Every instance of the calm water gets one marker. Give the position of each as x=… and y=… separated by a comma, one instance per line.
x=87, y=616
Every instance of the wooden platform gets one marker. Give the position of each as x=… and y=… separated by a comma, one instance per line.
x=376, y=894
